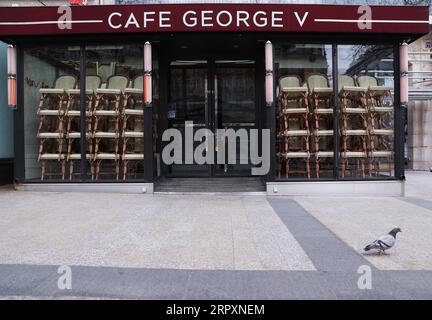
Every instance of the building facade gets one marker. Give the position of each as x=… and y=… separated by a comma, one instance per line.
x=419, y=142
x=311, y=105
x=6, y=125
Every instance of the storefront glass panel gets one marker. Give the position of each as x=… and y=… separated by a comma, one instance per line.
x=51, y=75
x=114, y=83
x=366, y=96
x=304, y=111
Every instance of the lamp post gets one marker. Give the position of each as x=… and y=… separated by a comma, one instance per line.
x=147, y=74
x=404, y=75
x=12, y=69
x=269, y=85
x=270, y=109
x=148, y=113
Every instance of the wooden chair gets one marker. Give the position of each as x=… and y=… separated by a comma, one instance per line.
x=133, y=131
x=354, y=123
x=294, y=145
x=106, y=129
x=73, y=109
x=321, y=95
x=73, y=115
x=51, y=152
x=377, y=95
x=52, y=103
x=107, y=103
x=50, y=133
x=381, y=135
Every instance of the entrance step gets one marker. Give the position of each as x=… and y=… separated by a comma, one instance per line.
x=213, y=185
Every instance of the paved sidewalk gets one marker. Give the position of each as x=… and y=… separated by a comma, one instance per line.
x=214, y=247
x=194, y=232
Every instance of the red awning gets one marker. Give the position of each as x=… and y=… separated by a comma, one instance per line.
x=25, y=21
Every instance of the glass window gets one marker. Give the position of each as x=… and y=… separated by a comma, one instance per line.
x=50, y=73
x=114, y=90
x=366, y=86
x=304, y=111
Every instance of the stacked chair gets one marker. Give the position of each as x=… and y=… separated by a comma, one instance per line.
x=114, y=126
x=51, y=132
x=321, y=95
x=381, y=133
x=73, y=114
x=354, y=125
x=293, y=126
x=133, y=127
x=106, y=127
x=366, y=126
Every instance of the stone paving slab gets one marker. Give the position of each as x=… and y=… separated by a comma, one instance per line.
x=169, y=232
x=358, y=221
x=325, y=249
x=21, y=281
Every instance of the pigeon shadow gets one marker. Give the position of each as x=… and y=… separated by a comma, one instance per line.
x=375, y=254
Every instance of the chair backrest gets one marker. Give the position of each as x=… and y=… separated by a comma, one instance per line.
x=105, y=71
x=117, y=82
x=289, y=82
x=93, y=82
x=345, y=81
x=65, y=82
x=317, y=81
x=138, y=146
x=367, y=81
x=138, y=82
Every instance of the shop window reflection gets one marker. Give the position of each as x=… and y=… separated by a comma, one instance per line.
x=366, y=111
x=304, y=111
x=50, y=75
x=116, y=145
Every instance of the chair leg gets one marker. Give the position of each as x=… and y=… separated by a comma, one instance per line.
x=125, y=165
x=41, y=143
x=343, y=168
x=92, y=170
x=71, y=169
x=98, y=163
x=279, y=167
x=63, y=168
x=117, y=169
x=43, y=169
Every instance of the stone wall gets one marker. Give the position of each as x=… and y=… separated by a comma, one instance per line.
x=419, y=141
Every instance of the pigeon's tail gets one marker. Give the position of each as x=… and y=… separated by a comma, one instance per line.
x=370, y=247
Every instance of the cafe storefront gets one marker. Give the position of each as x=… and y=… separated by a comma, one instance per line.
x=300, y=99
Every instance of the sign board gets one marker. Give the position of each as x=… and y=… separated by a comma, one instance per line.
x=21, y=21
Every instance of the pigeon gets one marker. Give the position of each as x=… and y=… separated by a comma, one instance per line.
x=385, y=242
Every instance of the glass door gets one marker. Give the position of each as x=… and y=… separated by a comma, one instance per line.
x=235, y=110
x=188, y=112
x=214, y=95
